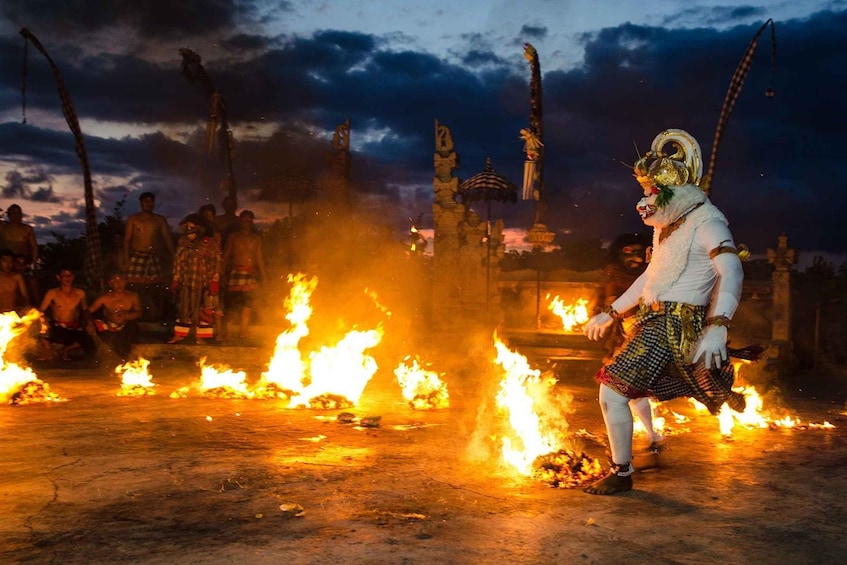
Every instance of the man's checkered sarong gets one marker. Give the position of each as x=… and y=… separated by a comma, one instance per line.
x=144, y=267
x=652, y=361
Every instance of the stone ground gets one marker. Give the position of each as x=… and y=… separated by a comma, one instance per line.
x=107, y=479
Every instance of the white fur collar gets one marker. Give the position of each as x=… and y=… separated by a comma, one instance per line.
x=670, y=257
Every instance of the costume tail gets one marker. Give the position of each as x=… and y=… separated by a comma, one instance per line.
x=750, y=353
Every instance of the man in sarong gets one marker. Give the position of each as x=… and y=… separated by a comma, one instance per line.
x=683, y=304
x=245, y=267
x=145, y=236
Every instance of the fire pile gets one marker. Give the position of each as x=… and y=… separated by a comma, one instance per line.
x=217, y=381
x=421, y=387
x=135, y=379
x=537, y=447
x=19, y=385
x=573, y=316
x=333, y=377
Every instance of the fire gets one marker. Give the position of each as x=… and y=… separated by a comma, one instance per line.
x=522, y=390
x=333, y=377
x=219, y=381
x=755, y=416
x=572, y=315
x=423, y=388
x=536, y=420
x=340, y=371
x=135, y=379
x=287, y=369
x=20, y=385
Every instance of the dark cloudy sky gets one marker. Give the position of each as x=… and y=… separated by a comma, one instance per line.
x=615, y=73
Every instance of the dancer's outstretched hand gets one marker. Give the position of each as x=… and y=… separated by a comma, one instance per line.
x=712, y=347
x=597, y=326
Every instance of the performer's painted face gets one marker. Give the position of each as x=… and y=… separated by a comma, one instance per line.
x=646, y=207
x=190, y=230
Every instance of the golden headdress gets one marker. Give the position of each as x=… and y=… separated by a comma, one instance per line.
x=661, y=171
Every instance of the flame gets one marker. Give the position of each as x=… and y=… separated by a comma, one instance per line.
x=333, y=376
x=755, y=416
x=221, y=381
x=135, y=380
x=340, y=371
x=572, y=315
x=20, y=385
x=287, y=369
x=522, y=391
x=423, y=388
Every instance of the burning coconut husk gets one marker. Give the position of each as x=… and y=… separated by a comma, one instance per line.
x=537, y=445
x=20, y=385
x=421, y=387
x=135, y=378
x=217, y=381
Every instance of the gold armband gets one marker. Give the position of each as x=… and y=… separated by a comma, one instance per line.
x=722, y=249
x=611, y=312
x=719, y=321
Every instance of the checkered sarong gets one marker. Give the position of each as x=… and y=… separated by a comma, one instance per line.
x=653, y=360
x=241, y=279
x=144, y=267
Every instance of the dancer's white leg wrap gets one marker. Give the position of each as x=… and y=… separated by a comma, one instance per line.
x=618, y=418
x=644, y=412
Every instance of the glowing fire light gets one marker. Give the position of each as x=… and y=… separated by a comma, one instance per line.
x=334, y=376
x=19, y=385
x=421, y=387
x=754, y=415
x=522, y=390
x=221, y=381
x=572, y=315
x=135, y=379
x=287, y=369
x=340, y=371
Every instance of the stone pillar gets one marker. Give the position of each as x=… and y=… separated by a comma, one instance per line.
x=782, y=258
x=447, y=215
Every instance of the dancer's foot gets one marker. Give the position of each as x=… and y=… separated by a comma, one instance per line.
x=176, y=339
x=614, y=482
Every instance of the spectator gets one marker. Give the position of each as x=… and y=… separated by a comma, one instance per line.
x=243, y=263
x=23, y=267
x=144, y=236
x=18, y=237
x=227, y=222
x=196, y=275
x=65, y=326
x=12, y=286
x=119, y=310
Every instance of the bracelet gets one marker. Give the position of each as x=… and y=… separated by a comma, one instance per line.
x=611, y=312
x=719, y=321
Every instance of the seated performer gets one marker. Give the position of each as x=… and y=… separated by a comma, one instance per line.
x=684, y=302
x=117, y=326
x=68, y=309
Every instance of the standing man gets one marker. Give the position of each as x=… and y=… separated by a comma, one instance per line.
x=243, y=262
x=145, y=234
x=18, y=237
x=684, y=302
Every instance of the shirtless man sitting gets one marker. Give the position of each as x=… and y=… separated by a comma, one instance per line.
x=117, y=326
x=66, y=326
